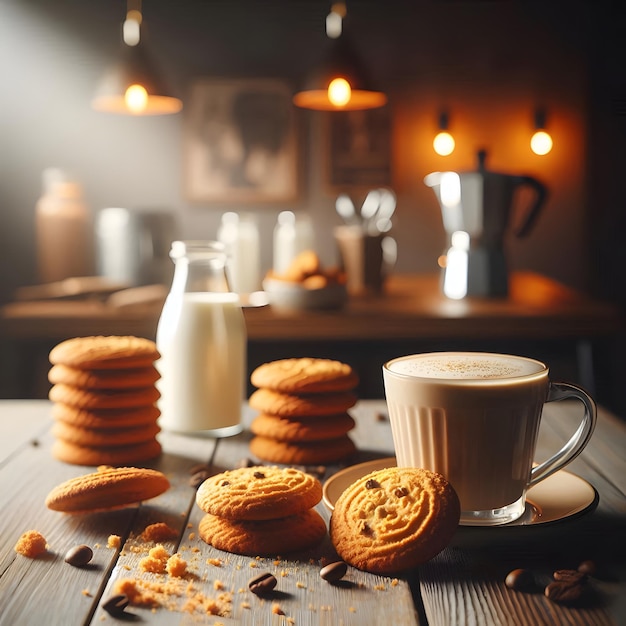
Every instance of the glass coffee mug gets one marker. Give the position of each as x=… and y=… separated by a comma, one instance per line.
x=474, y=417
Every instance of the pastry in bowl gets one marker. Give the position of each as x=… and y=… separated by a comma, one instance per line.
x=305, y=285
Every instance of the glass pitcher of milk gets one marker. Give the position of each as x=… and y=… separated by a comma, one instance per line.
x=201, y=337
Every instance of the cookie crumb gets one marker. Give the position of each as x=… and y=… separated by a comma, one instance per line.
x=156, y=560
x=276, y=609
x=114, y=541
x=31, y=544
x=159, y=532
x=213, y=561
x=176, y=566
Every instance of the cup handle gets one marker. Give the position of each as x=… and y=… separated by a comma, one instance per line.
x=562, y=391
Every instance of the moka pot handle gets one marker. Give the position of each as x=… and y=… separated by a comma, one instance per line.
x=533, y=212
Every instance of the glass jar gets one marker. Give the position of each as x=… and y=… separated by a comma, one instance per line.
x=201, y=336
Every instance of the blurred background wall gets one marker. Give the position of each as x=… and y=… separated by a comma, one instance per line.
x=488, y=63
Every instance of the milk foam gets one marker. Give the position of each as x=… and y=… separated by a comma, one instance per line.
x=465, y=366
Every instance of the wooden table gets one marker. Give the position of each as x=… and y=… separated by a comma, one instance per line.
x=463, y=585
x=540, y=318
x=411, y=307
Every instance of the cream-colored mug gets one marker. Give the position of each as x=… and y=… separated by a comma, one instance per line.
x=474, y=417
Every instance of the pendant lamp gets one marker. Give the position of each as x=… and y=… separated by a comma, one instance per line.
x=133, y=85
x=340, y=82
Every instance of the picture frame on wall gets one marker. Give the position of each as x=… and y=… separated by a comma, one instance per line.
x=359, y=149
x=239, y=142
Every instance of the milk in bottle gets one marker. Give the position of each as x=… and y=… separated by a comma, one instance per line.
x=201, y=337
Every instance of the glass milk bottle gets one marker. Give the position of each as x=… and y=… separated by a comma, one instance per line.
x=240, y=234
x=292, y=234
x=201, y=336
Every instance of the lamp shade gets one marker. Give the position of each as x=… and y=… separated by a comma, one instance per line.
x=341, y=61
x=148, y=93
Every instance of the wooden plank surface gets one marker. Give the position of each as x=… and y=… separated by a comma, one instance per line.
x=463, y=585
x=51, y=590
x=412, y=307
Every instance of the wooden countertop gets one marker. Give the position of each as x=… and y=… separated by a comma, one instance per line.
x=412, y=307
x=462, y=585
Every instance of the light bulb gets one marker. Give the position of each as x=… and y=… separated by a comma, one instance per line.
x=339, y=92
x=541, y=142
x=443, y=143
x=136, y=98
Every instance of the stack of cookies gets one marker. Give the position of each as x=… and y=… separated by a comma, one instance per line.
x=104, y=395
x=261, y=511
x=303, y=404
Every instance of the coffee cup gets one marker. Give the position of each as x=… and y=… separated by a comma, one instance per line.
x=474, y=417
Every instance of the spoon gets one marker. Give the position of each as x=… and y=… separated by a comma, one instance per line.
x=370, y=208
x=345, y=208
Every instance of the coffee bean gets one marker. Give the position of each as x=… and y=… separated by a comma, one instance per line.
x=563, y=592
x=571, y=576
x=199, y=477
x=78, y=556
x=115, y=605
x=372, y=484
x=520, y=579
x=587, y=567
x=334, y=571
x=262, y=584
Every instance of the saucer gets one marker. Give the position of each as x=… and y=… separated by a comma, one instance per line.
x=558, y=497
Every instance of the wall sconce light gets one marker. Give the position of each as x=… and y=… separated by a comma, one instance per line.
x=541, y=141
x=340, y=82
x=133, y=85
x=443, y=143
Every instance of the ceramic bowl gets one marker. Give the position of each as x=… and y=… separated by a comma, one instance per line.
x=290, y=296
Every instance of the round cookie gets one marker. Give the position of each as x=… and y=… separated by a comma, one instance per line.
x=308, y=429
x=115, y=455
x=129, y=378
x=264, y=538
x=108, y=488
x=305, y=453
x=103, y=399
x=105, y=352
x=258, y=493
x=305, y=375
x=292, y=405
x=104, y=438
x=105, y=419
x=394, y=519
